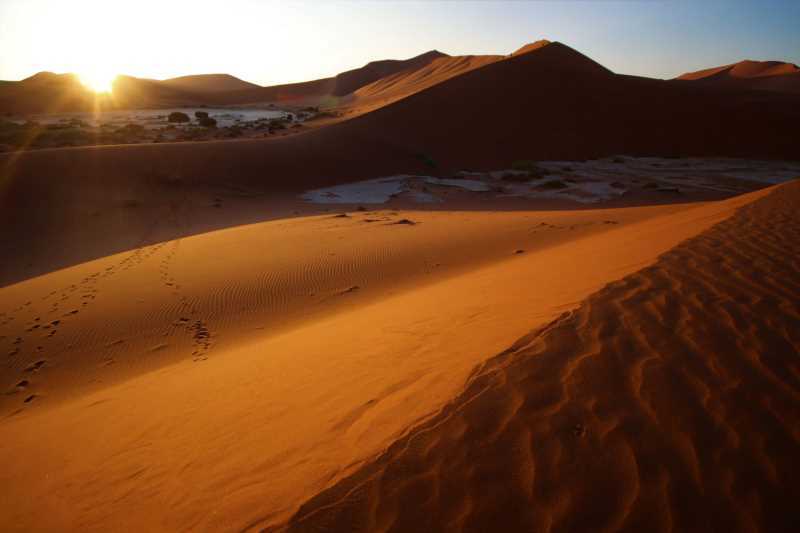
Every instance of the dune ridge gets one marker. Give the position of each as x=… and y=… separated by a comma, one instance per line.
x=668, y=401
x=777, y=76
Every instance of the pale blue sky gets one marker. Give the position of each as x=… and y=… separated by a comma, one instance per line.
x=270, y=42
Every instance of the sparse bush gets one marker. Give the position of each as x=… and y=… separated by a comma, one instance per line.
x=277, y=124
x=177, y=116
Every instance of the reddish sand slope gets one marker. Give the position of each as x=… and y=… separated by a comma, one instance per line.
x=217, y=382
x=669, y=401
x=410, y=81
x=762, y=75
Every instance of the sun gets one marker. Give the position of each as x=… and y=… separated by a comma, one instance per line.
x=98, y=81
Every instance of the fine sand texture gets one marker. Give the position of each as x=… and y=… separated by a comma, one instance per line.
x=217, y=382
x=668, y=401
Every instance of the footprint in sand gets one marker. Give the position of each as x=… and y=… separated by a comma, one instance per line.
x=35, y=367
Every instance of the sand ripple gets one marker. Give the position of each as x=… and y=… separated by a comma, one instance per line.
x=669, y=401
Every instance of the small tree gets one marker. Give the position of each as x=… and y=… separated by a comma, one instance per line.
x=207, y=122
x=177, y=116
x=200, y=114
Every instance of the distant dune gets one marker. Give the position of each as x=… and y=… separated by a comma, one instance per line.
x=551, y=103
x=776, y=76
x=356, y=91
x=555, y=103
x=212, y=83
x=412, y=80
x=329, y=90
x=45, y=92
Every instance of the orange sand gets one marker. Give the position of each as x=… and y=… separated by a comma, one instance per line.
x=142, y=420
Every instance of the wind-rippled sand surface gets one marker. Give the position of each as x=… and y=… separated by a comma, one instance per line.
x=668, y=401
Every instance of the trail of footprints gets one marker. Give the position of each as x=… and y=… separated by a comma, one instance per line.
x=197, y=328
x=58, y=307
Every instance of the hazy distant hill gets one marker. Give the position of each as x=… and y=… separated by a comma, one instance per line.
x=212, y=83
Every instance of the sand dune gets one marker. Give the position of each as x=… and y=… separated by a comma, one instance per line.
x=45, y=92
x=668, y=401
x=555, y=103
x=214, y=83
x=776, y=76
x=395, y=87
x=178, y=382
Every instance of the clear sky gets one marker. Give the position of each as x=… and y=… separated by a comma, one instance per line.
x=269, y=42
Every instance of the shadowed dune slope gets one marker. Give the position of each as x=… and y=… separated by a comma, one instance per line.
x=555, y=103
x=762, y=75
x=669, y=401
x=114, y=198
x=45, y=91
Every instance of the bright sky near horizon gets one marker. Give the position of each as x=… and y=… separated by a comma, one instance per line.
x=273, y=41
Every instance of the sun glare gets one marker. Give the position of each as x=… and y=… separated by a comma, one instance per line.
x=99, y=82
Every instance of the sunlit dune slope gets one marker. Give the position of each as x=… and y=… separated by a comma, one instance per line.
x=776, y=76
x=668, y=401
x=218, y=381
x=397, y=86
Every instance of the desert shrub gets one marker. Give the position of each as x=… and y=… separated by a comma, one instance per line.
x=289, y=117
x=277, y=124
x=207, y=122
x=427, y=160
x=200, y=114
x=177, y=116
